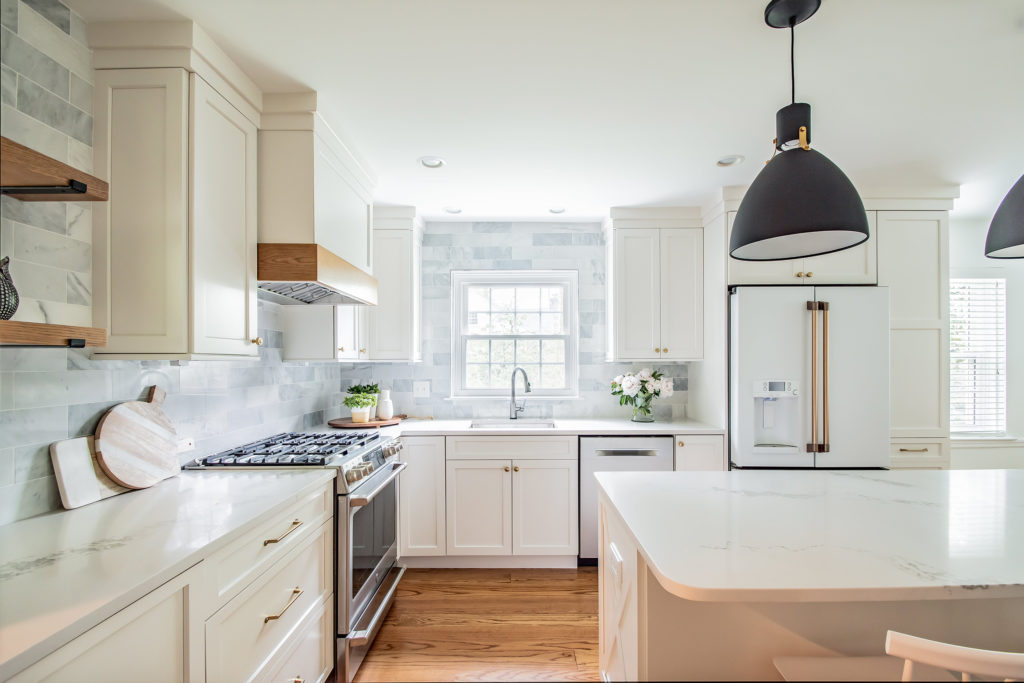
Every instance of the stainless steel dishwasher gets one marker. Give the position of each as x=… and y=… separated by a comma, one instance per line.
x=613, y=454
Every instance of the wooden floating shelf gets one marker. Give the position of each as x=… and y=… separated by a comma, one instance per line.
x=43, y=179
x=13, y=332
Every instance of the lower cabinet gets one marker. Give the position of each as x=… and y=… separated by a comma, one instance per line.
x=928, y=454
x=421, y=493
x=700, y=452
x=479, y=507
x=545, y=507
x=153, y=639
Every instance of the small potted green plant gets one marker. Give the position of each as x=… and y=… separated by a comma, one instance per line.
x=360, y=405
x=367, y=389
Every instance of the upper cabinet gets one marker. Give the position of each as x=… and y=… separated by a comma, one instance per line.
x=174, y=257
x=854, y=266
x=313, y=187
x=655, y=283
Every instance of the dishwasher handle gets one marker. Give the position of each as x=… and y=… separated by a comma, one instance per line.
x=625, y=452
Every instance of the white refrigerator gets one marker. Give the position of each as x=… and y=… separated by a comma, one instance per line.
x=809, y=377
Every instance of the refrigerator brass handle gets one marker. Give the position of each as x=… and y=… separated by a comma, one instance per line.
x=812, y=306
x=913, y=450
x=295, y=596
x=823, y=305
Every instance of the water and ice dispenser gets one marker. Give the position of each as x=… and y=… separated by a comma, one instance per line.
x=776, y=427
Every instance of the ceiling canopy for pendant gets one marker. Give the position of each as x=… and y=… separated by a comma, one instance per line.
x=800, y=204
x=1006, y=233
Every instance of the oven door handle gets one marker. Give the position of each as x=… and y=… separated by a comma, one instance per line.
x=365, y=635
x=360, y=501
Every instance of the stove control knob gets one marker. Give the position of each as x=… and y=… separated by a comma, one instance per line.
x=352, y=476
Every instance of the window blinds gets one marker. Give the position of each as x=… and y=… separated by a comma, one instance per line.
x=977, y=355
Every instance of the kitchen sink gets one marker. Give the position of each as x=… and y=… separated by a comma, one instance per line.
x=511, y=424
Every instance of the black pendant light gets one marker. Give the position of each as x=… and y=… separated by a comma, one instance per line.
x=1006, y=233
x=800, y=204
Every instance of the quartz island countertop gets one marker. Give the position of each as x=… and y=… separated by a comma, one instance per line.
x=64, y=572
x=808, y=536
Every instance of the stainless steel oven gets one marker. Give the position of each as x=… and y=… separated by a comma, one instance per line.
x=367, y=552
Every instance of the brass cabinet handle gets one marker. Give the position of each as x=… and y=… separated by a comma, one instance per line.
x=258, y=341
x=800, y=274
x=298, y=679
x=913, y=450
x=810, y=274
x=341, y=348
x=657, y=350
x=295, y=525
x=681, y=444
x=506, y=468
x=664, y=350
x=362, y=350
x=295, y=596
x=516, y=468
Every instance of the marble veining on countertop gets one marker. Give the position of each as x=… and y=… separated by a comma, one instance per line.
x=62, y=573
x=563, y=426
x=803, y=535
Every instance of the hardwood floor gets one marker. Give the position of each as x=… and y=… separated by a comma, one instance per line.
x=489, y=625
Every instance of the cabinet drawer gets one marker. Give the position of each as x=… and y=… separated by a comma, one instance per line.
x=510, y=447
x=308, y=655
x=235, y=566
x=929, y=454
x=242, y=636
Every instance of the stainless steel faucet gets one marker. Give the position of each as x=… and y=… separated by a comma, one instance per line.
x=513, y=409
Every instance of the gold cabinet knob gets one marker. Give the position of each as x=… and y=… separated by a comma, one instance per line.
x=258, y=341
x=810, y=274
x=800, y=274
x=362, y=350
x=657, y=350
x=665, y=350
x=506, y=468
x=516, y=468
x=341, y=348
x=681, y=444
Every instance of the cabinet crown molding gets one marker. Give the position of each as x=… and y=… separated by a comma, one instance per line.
x=655, y=217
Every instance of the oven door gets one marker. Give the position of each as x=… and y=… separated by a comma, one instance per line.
x=367, y=543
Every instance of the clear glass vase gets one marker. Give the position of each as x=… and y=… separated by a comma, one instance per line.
x=642, y=412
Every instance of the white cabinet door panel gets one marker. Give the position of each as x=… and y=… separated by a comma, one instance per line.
x=920, y=405
x=479, y=507
x=223, y=224
x=682, y=294
x=637, y=293
x=700, y=452
x=390, y=334
x=911, y=248
x=545, y=507
x=761, y=272
x=421, y=497
x=853, y=266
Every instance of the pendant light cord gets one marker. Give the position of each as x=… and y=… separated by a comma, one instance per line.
x=792, y=61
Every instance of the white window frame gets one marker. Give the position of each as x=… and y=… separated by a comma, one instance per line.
x=463, y=279
x=975, y=431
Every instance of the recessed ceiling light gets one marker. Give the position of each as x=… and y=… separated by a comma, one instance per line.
x=557, y=209
x=731, y=160
x=432, y=162
x=452, y=209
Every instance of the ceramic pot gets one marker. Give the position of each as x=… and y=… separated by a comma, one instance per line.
x=385, y=408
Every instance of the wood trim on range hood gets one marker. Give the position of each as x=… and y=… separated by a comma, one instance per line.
x=281, y=265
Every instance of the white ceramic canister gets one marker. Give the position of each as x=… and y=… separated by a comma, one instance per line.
x=385, y=407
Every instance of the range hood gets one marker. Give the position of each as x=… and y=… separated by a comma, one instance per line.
x=310, y=274
x=315, y=208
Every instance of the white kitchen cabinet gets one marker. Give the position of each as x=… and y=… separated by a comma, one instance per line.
x=154, y=638
x=545, y=507
x=853, y=266
x=174, y=257
x=700, y=452
x=913, y=262
x=421, y=497
x=393, y=324
x=479, y=507
x=656, y=289
x=323, y=332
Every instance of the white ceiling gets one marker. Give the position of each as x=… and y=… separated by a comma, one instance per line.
x=589, y=104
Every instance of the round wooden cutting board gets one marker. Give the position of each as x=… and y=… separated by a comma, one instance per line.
x=136, y=444
x=347, y=423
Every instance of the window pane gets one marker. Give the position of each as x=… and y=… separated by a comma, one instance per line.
x=477, y=351
x=501, y=376
x=502, y=323
x=554, y=350
x=551, y=323
x=552, y=377
x=551, y=299
x=527, y=323
x=527, y=351
x=503, y=299
x=502, y=351
x=478, y=323
x=477, y=376
x=527, y=298
x=478, y=298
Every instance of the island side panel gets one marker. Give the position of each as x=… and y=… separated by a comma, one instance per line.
x=692, y=640
x=620, y=570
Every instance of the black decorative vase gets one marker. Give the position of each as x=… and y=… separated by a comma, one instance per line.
x=8, y=294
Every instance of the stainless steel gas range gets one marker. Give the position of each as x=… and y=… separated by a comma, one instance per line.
x=366, y=522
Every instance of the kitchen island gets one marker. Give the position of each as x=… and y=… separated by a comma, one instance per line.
x=709, y=575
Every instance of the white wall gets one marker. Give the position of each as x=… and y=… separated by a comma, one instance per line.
x=967, y=259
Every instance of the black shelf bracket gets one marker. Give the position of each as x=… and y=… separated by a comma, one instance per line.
x=73, y=187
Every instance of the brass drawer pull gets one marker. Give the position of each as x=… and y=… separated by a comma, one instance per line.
x=913, y=450
x=295, y=596
x=298, y=679
x=295, y=525
x=258, y=341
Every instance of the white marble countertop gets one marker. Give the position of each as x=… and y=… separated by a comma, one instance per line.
x=64, y=572
x=583, y=427
x=805, y=536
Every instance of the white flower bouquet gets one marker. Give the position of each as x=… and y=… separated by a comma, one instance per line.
x=639, y=389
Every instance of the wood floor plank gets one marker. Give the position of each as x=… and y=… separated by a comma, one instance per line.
x=486, y=624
